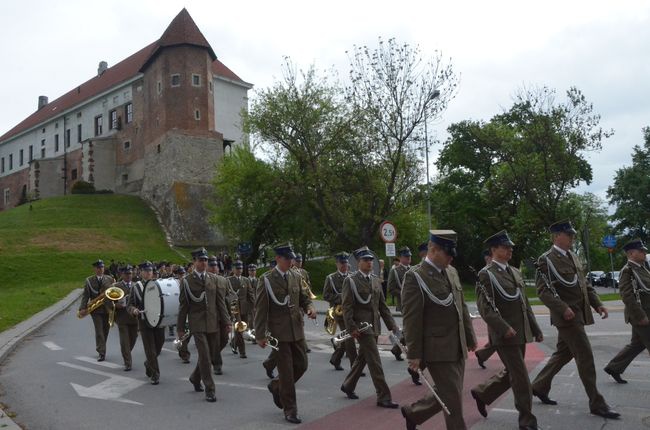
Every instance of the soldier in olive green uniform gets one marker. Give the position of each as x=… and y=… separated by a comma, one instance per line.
x=363, y=302
x=332, y=293
x=94, y=287
x=502, y=302
x=152, y=338
x=183, y=351
x=396, y=277
x=224, y=286
x=563, y=289
x=252, y=272
x=438, y=330
x=634, y=287
x=203, y=305
x=242, y=287
x=483, y=354
x=278, y=306
x=126, y=323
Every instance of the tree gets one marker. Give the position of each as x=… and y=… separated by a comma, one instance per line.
x=516, y=171
x=631, y=193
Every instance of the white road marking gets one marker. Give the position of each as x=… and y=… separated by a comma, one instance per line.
x=508, y=411
x=99, y=363
x=169, y=350
x=52, y=346
x=112, y=388
x=247, y=386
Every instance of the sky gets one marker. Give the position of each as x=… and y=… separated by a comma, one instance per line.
x=497, y=47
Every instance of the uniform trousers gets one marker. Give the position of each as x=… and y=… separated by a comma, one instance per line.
x=368, y=354
x=448, y=380
x=572, y=342
x=485, y=353
x=515, y=375
x=100, y=322
x=205, y=343
x=639, y=342
x=152, y=342
x=347, y=347
x=292, y=364
x=217, y=361
x=239, y=338
x=128, y=338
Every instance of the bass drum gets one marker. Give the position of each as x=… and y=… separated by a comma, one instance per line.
x=161, y=302
x=375, y=264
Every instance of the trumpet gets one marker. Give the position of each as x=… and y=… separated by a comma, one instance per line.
x=272, y=341
x=345, y=334
x=178, y=343
x=111, y=293
x=249, y=335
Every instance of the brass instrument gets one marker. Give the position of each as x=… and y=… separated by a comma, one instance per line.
x=271, y=341
x=178, y=343
x=113, y=294
x=239, y=325
x=307, y=288
x=330, y=320
x=345, y=334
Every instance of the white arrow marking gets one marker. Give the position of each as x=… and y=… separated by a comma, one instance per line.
x=52, y=346
x=111, y=389
x=99, y=363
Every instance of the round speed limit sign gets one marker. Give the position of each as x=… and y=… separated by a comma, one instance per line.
x=388, y=232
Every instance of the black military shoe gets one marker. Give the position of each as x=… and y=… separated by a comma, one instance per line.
x=528, y=428
x=544, y=398
x=269, y=371
x=293, y=419
x=480, y=362
x=127, y=367
x=616, y=376
x=387, y=404
x=243, y=356
x=337, y=366
x=479, y=404
x=351, y=394
x=210, y=397
x=155, y=380
x=276, y=396
x=415, y=376
x=606, y=412
x=101, y=357
x=217, y=371
x=147, y=371
x=410, y=425
x=197, y=386
x=398, y=356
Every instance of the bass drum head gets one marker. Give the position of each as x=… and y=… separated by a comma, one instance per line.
x=375, y=264
x=152, y=304
x=170, y=292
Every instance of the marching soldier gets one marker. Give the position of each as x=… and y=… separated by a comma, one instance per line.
x=277, y=313
x=223, y=285
x=502, y=302
x=563, y=289
x=246, y=298
x=298, y=267
x=634, y=287
x=252, y=271
x=363, y=302
x=126, y=323
x=422, y=250
x=94, y=287
x=483, y=354
x=271, y=361
x=396, y=278
x=332, y=294
x=152, y=338
x=203, y=305
x=183, y=351
x=438, y=330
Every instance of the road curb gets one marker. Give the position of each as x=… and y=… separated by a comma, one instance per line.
x=10, y=338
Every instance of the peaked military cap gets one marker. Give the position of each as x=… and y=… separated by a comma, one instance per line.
x=146, y=265
x=446, y=239
x=363, y=252
x=563, y=226
x=200, y=254
x=342, y=257
x=423, y=247
x=285, y=251
x=212, y=261
x=180, y=270
x=252, y=266
x=404, y=251
x=127, y=269
x=635, y=244
x=98, y=263
x=498, y=239
x=298, y=257
x=237, y=264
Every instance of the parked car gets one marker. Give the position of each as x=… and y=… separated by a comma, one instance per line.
x=595, y=277
x=611, y=279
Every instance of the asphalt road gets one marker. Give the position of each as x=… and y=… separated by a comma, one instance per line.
x=52, y=381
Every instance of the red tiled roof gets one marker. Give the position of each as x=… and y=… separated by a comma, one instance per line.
x=181, y=31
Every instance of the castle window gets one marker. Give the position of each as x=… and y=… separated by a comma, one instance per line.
x=125, y=177
x=67, y=138
x=128, y=112
x=112, y=119
x=197, y=114
x=56, y=125
x=6, y=196
x=98, y=125
x=176, y=80
x=43, y=129
x=210, y=86
x=79, y=133
x=21, y=157
x=11, y=161
x=3, y=165
x=159, y=87
x=127, y=145
x=56, y=143
x=196, y=80
x=78, y=114
x=73, y=174
x=42, y=142
x=42, y=152
x=31, y=153
x=158, y=148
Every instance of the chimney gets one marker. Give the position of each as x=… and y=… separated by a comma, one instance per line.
x=42, y=101
x=103, y=65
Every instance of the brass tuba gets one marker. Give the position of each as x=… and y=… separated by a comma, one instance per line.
x=113, y=294
x=330, y=320
x=239, y=325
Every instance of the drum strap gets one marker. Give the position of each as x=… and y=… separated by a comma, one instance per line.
x=138, y=293
x=188, y=293
x=90, y=287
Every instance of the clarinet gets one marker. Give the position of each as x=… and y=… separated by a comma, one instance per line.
x=480, y=286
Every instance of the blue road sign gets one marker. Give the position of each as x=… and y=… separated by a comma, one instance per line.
x=244, y=248
x=609, y=241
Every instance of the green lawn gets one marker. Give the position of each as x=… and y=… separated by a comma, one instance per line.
x=46, y=252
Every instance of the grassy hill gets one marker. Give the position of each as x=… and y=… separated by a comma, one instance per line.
x=46, y=252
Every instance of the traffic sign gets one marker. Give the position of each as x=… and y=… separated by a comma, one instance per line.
x=609, y=241
x=388, y=232
x=390, y=250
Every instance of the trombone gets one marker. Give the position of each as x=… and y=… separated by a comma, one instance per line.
x=345, y=334
x=111, y=293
